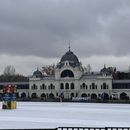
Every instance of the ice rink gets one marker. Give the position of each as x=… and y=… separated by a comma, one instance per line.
x=52, y=115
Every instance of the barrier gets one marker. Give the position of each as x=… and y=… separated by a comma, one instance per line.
x=93, y=128
x=79, y=128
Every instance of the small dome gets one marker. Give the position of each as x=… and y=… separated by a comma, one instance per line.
x=105, y=70
x=37, y=73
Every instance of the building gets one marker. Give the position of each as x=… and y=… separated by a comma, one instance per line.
x=70, y=81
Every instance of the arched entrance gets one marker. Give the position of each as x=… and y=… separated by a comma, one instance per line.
x=34, y=95
x=43, y=96
x=93, y=96
x=105, y=96
x=84, y=95
x=23, y=95
x=51, y=96
x=123, y=96
x=72, y=95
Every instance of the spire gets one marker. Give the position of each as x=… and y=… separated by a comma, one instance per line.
x=69, y=46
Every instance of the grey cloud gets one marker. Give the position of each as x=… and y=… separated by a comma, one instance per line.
x=44, y=28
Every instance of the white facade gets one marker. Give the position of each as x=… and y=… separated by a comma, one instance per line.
x=70, y=81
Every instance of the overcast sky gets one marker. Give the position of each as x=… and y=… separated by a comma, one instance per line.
x=34, y=33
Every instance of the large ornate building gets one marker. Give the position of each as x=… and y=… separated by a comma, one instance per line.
x=70, y=81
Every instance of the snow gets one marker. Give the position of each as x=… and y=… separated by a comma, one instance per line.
x=52, y=115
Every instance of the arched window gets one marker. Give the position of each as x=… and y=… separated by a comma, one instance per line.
x=51, y=86
x=66, y=86
x=84, y=86
x=104, y=86
x=34, y=86
x=72, y=85
x=93, y=85
x=67, y=73
x=43, y=86
x=61, y=86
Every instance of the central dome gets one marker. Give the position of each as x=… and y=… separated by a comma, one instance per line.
x=70, y=56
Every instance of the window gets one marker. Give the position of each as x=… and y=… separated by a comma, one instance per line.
x=43, y=86
x=61, y=86
x=93, y=86
x=72, y=85
x=67, y=73
x=51, y=86
x=104, y=86
x=66, y=86
x=84, y=86
x=34, y=86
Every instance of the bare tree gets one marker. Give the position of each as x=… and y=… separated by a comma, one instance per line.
x=9, y=70
x=48, y=69
x=87, y=69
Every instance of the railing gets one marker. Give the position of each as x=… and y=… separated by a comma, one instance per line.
x=93, y=128
x=79, y=128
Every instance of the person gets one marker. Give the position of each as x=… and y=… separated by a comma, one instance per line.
x=61, y=97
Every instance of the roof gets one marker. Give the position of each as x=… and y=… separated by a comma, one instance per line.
x=71, y=58
x=37, y=73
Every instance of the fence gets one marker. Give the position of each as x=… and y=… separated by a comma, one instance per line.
x=79, y=128
x=93, y=128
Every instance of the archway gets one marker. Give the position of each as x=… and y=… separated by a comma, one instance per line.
x=43, y=96
x=93, y=96
x=105, y=96
x=67, y=73
x=23, y=95
x=72, y=95
x=123, y=96
x=84, y=95
x=51, y=96
x=34, y=95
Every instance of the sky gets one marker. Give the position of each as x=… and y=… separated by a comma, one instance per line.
x=35, y=33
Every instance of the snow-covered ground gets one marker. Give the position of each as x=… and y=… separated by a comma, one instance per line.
x=52, y=115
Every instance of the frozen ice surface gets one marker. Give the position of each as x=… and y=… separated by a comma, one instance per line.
x=52, y=115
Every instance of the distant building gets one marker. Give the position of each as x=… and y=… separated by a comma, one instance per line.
x=71, y=81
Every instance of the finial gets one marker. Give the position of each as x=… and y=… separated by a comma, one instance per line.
x=69, y=45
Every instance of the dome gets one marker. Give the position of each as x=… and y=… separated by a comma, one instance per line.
x=105, y=70
x=37, y=73
x=71, y=58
